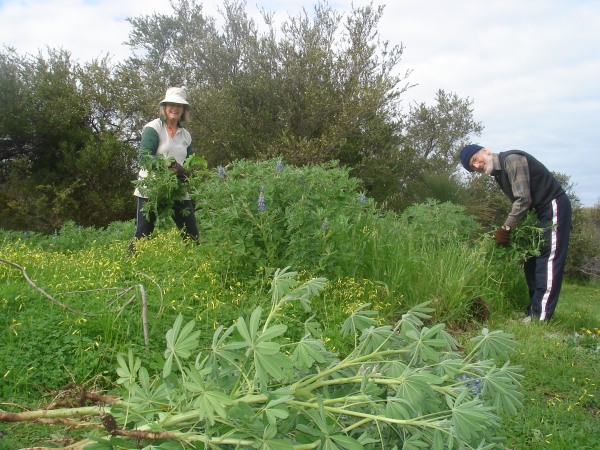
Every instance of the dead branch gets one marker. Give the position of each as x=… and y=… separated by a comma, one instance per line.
x=592, y=268
x=126, y=304
x=138, y=434
x=106, y=399
x=44, y=293
x=88, y=290
x=144, y=315
x=49, y=414
x=119, y=296
x=160, y=292
x=70, y=422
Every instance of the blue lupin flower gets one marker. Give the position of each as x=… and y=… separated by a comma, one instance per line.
x=261, y=189
x=278, y=167
x=362, y=198
x=261, y=202
x=324, y=226
x=476, y=386
x=25, y=235
x=472, y=381
x=221, y=172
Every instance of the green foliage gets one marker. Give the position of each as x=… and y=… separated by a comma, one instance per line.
x=526, y=241
x=584, y=244
x=438, y=132
x=321, y=87
x=403, y=385
x=64, y=148
x=163, y=188
x=269, y=214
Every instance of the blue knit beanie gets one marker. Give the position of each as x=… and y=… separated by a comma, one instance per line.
x=467, y=153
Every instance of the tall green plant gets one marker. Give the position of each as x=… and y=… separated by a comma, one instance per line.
x=269, y=214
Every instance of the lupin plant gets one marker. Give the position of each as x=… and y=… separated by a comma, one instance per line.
x=403, y=386
x=162, y=187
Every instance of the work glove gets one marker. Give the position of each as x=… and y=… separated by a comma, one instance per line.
x=502, y=237
x=181, y=173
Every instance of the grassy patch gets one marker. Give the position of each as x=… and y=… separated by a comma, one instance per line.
x=562, y=388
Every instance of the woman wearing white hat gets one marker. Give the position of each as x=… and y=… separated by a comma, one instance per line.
x=165, y=136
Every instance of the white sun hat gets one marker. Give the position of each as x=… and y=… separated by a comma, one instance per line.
x=175, y=95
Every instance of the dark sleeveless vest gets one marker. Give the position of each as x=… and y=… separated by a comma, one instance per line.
x=542, y=184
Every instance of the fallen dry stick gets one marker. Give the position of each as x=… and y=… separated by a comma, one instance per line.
x=44, y=293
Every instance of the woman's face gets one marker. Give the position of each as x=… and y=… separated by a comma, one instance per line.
x=174, y=111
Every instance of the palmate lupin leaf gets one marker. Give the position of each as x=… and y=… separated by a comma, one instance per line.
x=307, y=352
x=358, y=320
x=426, y=345
x=500, y=385
x=128, y=371
x=180, y=343
x=494, y=344
x=207, y=399
x=266, y=355
x=374, y=338
x=282, y=284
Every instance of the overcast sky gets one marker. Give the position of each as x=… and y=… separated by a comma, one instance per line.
x=532, y=67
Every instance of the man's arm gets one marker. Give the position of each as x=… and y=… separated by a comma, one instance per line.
x=517, y=170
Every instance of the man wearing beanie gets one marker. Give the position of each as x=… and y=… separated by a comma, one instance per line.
x=529, y=185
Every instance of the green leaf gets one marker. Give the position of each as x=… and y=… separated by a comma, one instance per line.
x=377, y=338
x=346, y=442
x=414, y=442
x=282, y=284
x=309, y=430
x=307, y=351
x=179, y=343
x=254, y=323
x=359, y=320
x=127, y=372
x=271, y=332
x=414, y=386
x=502, y=386
x=243, y=330
x=399, y=409
x=495, y=344
x=123, y=444
x=275, y=413
x=470, y=418
x=270, y=363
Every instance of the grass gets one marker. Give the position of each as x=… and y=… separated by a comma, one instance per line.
x=561, y=409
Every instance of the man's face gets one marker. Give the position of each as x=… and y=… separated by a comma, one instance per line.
x=482, y=162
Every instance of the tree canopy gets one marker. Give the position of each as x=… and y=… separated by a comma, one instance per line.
x=319, y=87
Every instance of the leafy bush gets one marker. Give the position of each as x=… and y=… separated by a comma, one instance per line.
x=268, y=214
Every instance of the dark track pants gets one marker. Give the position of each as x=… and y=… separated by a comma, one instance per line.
x=544, y=274
x=186, y=223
